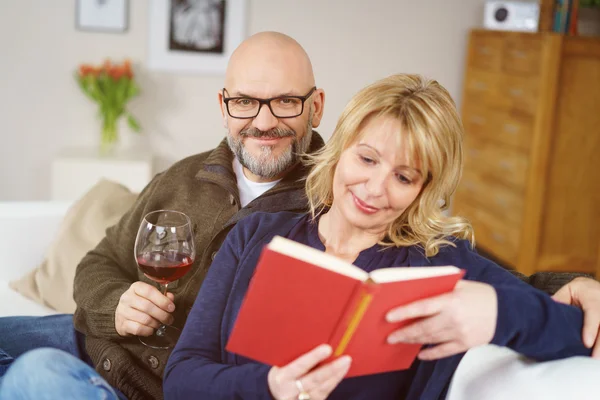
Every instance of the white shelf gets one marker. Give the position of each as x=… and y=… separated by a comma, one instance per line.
x=75, y=170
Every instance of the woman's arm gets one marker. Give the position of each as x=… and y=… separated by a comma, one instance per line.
x=195, y=368
x=531, y=322
x=491, y=306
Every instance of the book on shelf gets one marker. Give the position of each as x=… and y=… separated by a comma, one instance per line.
x=301, y=297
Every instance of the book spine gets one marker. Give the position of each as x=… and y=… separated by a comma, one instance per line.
x=574, y=17
x=356, y=309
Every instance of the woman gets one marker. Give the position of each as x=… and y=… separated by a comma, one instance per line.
x=374, y=193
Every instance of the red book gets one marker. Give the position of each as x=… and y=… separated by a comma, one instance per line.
x=301, y=297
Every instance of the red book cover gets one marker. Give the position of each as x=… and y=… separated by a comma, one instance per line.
x=301, y=297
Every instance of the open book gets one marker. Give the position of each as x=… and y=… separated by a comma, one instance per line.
x=301, y=297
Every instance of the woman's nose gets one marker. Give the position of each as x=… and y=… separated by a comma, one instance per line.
x=376, y=184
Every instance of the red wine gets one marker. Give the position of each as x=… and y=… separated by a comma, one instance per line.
x=164, y=267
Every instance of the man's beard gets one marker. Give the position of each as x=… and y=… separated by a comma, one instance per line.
x=266, y=164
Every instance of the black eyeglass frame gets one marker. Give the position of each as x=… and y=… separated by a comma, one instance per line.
x=261, y=102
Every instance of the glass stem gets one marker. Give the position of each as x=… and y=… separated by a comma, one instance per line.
x=161, y=331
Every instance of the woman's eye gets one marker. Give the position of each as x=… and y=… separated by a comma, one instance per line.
x=367, y=160
x=403, y=179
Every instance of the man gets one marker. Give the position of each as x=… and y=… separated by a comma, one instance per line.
x=269, y=107
x=255, y=169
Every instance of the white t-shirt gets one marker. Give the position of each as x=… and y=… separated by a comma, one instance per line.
x=248, y=189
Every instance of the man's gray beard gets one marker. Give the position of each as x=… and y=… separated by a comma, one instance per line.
x=266, y=165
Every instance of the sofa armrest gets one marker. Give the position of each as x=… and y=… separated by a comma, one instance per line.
x=498, y=373
x=26, y=231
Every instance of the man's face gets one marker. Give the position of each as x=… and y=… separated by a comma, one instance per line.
x=267, y=145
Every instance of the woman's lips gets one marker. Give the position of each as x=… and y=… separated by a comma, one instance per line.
x=364, y=207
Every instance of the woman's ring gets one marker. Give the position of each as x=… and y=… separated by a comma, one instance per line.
x=303, y=395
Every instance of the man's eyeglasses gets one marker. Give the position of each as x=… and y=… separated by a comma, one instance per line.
x=281, y=106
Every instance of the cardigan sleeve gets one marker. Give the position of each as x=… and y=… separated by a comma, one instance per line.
x=195, y=368
x=529, y=321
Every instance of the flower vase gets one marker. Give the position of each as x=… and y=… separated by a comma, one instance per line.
x=110, y=135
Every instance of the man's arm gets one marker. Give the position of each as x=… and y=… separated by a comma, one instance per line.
x=549, y=282
x=108, y=271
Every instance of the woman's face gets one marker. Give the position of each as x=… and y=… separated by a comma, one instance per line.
x=374, y=182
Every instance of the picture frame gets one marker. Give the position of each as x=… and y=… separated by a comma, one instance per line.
x=109, y=16
x=194, y=36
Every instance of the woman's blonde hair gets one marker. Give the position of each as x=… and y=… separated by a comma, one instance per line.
x=434, y=133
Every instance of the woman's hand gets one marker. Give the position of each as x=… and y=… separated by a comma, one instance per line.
x=454, y=322
x=318, y=384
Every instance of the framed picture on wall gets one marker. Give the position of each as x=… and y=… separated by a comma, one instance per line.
x=102, y=15
x=194, y=36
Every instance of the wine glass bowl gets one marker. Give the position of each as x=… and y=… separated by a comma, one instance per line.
x=164, y=252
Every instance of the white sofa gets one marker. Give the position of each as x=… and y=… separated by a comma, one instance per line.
x=26, y=231
x=488, y=372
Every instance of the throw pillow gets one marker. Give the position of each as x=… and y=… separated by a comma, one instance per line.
x=84, y=225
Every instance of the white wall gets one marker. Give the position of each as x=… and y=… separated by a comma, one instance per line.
x=351, y=42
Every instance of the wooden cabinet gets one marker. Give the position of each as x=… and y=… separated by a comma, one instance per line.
x=531, y=183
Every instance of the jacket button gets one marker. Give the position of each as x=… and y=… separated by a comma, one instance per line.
x=232, y=199
x=153, y=361
x=213, y=255
x=106, y=364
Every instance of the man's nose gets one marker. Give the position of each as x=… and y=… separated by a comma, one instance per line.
x=265, y=120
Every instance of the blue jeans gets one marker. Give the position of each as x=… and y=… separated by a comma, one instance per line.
x=21, y=334
x=53, y=374
x=21, y=364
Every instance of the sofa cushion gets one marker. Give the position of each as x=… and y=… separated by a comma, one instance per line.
x=13, y=304
x=84, y=225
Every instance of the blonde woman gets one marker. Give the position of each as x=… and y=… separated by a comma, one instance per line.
x=374, y=194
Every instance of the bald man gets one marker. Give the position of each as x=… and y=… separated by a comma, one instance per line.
x=269, y=106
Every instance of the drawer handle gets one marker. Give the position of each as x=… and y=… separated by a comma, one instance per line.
x=511, y=128
x=484, y=50
x=498, y=237
x=470, y=186
x=476, y=119
x=516, y=92
x=519, y=54
x=506, y=165
x=474, y=153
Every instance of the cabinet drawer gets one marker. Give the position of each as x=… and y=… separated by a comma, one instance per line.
x=481, y=86
x=498, y=126
x=486, y=52
x=496, y=236
x=502, y=202
x=514, y=130
x=522, y=55
x=517, y=93
x=502, y=163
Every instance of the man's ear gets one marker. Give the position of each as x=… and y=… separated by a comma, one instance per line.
x=222, y=108
x=318, y=106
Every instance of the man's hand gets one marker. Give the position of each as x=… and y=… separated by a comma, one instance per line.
x=142, y=309
x=454, y=322
x=585, y=294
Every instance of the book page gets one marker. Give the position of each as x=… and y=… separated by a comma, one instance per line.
x=394, y=274
x=316, y=257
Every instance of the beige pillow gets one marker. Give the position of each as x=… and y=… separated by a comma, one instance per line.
x=84, y=225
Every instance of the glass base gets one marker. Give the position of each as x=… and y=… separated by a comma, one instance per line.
x=164, y=338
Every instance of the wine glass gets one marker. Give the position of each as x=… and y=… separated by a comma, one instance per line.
x=164, y=251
